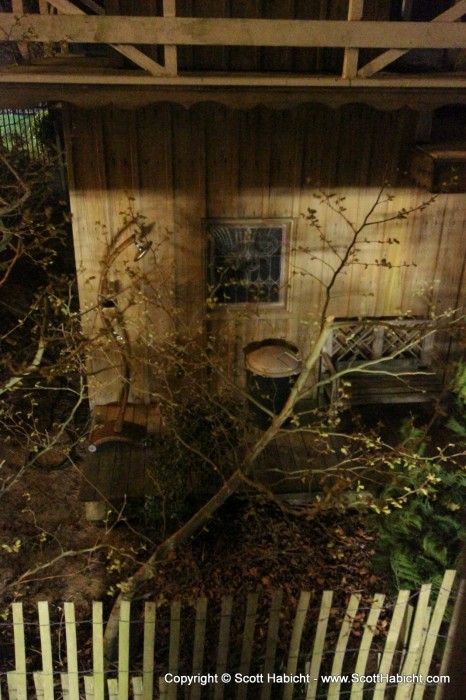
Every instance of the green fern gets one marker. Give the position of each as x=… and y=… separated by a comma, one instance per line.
x=422, y=537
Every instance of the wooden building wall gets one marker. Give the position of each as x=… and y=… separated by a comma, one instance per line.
x=183, y=166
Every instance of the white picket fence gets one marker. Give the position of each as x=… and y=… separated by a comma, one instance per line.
x=408, y=649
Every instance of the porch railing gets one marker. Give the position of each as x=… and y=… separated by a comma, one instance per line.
x=63, y=21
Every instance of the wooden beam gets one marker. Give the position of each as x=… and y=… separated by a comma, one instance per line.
x=44, y=7
x=34, y=74
x=350, y=59
x=429, y=94
x=93, y=6
x=131, y=52
x=451, y=15
x=231, y=32
x=171, y=52
x=18, y=9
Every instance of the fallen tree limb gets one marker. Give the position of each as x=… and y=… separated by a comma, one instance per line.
x=201, y=517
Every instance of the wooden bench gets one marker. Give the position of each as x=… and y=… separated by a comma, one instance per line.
x=383, y=360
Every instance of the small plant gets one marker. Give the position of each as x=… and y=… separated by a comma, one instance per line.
x=421, y=526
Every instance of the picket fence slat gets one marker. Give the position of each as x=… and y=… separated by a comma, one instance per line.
x=112, y=685
x=391, y=642
x=248, y=641
x=46, y=650
x=98, y=651
x=174, y=652
x=11, y=684
x=272, y=641
x=89, y=687
x=295, y=643
x=319, y=642
x=411, y=661
x=136, y=683
x=150, y=616
x=404, y=633
x=199, y=644
x=163, y=689
x=223, y=642
x=342, y=643
x=408, y=649
x=20, y=682
x=65, y=685
x=38, y=685
x=71, y=651
x=357, y=690
x=434, y=628
x=123, y=650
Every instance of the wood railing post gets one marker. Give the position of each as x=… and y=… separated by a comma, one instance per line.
x=17, y=7
x=350, y=60
x=171, y=57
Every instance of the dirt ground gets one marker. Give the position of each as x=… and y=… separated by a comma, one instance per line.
x=48, y=551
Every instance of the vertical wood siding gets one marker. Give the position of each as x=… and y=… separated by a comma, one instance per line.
x=182, y=166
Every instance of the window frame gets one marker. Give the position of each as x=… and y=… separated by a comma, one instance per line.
x=288, y=226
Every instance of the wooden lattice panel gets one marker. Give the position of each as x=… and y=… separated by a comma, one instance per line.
x=353, y=343
x=404, y=341
x=404, y=374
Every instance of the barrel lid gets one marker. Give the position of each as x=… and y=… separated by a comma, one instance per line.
x=273, y=361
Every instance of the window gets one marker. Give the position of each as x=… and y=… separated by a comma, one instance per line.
x=247, y=260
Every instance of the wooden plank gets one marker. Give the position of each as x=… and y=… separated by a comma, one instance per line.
x=404, y=633
x=89, y=688
x=247, y=642
x=46, y=649
x=223, y=643
x=198, y=644
x=150, y=616
x=71, y=651
x=295, y=642
x=230, y=32
x=396, y=88
x=319, y=642
x=433, y=632
x=272, y=641
x=163, y=689
x=453, y=13
x=93, y=6
x=112, y=686
x=357, y=689
x=391, y=642
x=174, y=651
x=136, y=683
x=170, y=52
x=65, y=686
x=11, y=685
x=342, y=643
x=350, y=59
x=411, y=661
x=139, y=454
x=20, y=680
x=123, y=649
x=17, y=7
x=38, y=685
